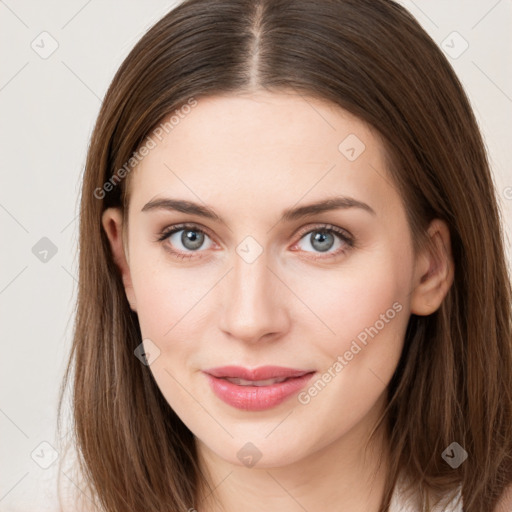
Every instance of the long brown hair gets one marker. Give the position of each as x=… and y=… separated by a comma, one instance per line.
x=371, y=57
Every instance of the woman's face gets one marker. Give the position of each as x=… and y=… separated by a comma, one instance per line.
x=259, y=277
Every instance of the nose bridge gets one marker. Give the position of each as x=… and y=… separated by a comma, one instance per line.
x=254, y=306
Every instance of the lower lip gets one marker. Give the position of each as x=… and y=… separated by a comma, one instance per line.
x=257, y=398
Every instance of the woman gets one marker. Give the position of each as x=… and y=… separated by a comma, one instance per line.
x=293, y=289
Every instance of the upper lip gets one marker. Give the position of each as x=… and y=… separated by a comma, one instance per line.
x=260, y=373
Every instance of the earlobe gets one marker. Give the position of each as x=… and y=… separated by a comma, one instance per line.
x=112, y=222
x=434, y=271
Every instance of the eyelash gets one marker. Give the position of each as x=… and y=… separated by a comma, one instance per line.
x=324, y=228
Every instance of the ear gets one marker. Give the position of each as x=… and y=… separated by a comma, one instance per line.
x=434, y=271
x=112, y=221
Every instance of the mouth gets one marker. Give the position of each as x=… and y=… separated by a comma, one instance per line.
x=258, y=383
x=256, y=389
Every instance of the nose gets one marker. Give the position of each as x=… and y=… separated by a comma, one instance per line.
x=254, y=302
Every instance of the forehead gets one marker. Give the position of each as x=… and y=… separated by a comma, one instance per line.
x=262, y=149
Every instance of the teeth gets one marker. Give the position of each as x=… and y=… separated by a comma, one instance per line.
x=243, y=382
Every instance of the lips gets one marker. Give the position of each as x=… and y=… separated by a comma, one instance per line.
x=261, y=373
x=256, y=389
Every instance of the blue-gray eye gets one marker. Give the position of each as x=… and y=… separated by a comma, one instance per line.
x=324, y=239
x=192, y=240
x=185, y=239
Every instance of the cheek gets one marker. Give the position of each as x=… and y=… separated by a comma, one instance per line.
x=368, y=313
x=167, y=300
x=155, y=300
x=171, y=301
x=158, y=289
x=365, y=302
x=158, y=293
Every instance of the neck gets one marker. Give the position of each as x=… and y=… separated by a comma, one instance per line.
x=339, y=473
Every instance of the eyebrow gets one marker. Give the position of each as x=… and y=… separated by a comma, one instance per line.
x=288, y=215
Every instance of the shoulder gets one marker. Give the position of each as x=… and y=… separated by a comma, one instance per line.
x=505, y=502
x=402, y=502
x=405, y=498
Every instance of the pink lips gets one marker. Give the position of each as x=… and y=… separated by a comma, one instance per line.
x=256, y=397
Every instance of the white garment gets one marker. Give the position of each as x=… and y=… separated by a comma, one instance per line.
x=40, y=493
x=402, y=502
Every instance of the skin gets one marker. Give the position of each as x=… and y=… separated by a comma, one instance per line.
x=249, y=157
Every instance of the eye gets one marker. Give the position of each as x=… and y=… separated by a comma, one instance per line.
x=183, y=239
x=324, y=238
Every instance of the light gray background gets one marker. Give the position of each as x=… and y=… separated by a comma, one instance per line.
x=48, y=108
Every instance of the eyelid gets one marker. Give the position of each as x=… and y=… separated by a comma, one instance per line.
x=327, y=227
x=169, y=230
